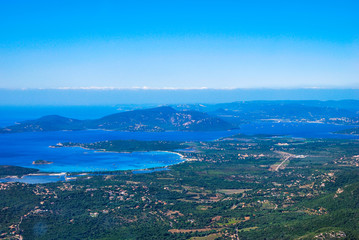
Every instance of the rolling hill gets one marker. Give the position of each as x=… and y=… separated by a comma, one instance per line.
x=153, y=120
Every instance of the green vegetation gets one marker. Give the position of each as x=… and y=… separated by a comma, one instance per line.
x=232, y=188
x=6, y=170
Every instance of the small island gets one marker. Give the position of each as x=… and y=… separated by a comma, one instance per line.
x=40, y=162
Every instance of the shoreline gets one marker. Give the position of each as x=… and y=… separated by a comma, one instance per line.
x=103, y=150
x=184, y=159
x=65, y=174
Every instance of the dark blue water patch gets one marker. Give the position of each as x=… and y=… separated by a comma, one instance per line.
x=102, y=135
x=293, y=129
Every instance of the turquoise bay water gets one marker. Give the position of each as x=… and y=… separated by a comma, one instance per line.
x=21, y=149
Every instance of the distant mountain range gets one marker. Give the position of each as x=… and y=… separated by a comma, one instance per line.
x=86, y=97
x=352, y=131
x=203, y=117
x=338, y=112
x=154, y=120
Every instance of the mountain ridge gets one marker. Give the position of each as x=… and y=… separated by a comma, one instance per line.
x=157, y=119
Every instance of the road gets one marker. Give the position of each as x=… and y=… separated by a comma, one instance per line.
x=286, y=157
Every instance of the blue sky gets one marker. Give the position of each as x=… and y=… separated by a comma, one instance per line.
x=179, y=44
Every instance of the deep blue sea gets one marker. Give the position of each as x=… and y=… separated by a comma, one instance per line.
x=21, y=149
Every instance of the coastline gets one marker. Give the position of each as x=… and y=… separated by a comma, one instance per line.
x=177, y=153
x=104, y=150
x=172, y=152
x=64, y=174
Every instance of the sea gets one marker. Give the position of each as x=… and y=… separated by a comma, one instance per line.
x=21, y=149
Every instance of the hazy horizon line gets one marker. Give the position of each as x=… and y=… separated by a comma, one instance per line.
x=104, y=96
x=194, y=88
